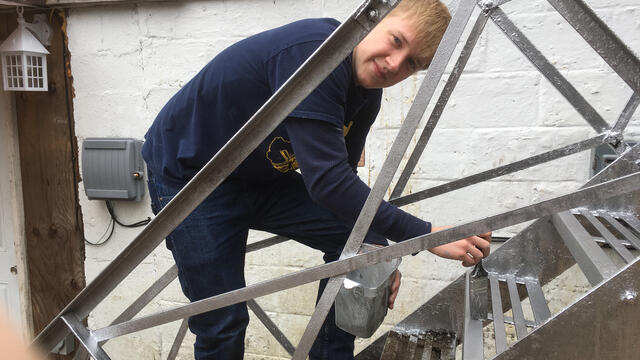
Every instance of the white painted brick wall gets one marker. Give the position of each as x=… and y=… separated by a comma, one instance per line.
x=128, y=60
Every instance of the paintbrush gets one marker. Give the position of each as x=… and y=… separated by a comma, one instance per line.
x=479, y=292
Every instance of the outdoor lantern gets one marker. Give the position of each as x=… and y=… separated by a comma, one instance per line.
x=24, y=58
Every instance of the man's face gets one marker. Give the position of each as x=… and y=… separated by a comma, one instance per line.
x=388, y=54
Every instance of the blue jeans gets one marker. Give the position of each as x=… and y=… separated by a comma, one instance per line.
x=209, y=250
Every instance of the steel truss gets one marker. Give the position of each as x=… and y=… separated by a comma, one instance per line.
x=310, y=74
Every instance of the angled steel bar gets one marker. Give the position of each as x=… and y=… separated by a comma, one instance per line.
x=148, y=295
x=601, y=39
x=516, y=307
x=632, y=221
x=616, y=139
x=549, y=71
x=413, y=345
x=625, y=116
x=592, y=194
x=541, y=312
x=593, y=262
x=271, y=326
x=182, y=331
x=85, y=338
x=613, y=241
x=501, y=170
x=498, y=315
x=265, y=243
x=171, y=274
x=426, y=351
x=490, y=4
x=473, y=345
x=603, y=324
x=628, y=235
x=441, y=58
x=320, y=64
x=436, y=113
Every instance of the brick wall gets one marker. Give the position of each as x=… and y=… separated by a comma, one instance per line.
x=128, y=60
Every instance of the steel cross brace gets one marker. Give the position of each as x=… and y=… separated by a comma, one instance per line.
x=631, y=106
x=592, y=194
x=438, y=109
x=546, y=69
x=320, y=64
x=600, y=37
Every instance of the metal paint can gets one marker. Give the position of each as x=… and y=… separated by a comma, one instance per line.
x=361, y=303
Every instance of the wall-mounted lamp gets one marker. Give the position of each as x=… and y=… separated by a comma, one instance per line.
x=24, y=58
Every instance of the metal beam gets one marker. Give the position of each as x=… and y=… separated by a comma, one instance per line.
x=182, y=331
x=628, y=235
x=271, y=326
x=516, y=307
x=498, y=315
x=601, y=39
x=623, y=121
x=593, y=262
x=473, y=345
x=603, y=324
x=501, y=170
x=85, y=338
x=593, y=194
x=539, y=306
x=611, y=239
x=320, y=64
x=438, y=109
x=549, y=71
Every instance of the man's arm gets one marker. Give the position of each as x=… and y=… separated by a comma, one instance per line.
x=322, y=156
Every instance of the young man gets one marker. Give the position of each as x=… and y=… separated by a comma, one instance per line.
x=323, y=137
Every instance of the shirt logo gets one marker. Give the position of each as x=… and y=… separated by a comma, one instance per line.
x=346, y=129
x=281, y=156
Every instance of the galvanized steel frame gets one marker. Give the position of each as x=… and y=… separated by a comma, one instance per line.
x=299, y=86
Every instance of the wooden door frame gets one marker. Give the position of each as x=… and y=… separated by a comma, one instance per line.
x=53, y=228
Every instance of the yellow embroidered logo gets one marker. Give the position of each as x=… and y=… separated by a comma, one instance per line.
x=280, y=156
x=346, y=129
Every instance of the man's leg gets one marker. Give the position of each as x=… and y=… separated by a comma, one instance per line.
x=289, y=211
x=209, y=248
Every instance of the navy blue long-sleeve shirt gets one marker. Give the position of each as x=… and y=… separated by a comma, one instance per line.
x=324, y=136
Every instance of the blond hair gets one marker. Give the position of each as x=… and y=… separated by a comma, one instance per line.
x=430, y=18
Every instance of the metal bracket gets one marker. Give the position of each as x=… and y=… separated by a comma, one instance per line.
x=85, y=337
x=40, y=29
x=487, y=5
x=371, y=12
x=66, y=346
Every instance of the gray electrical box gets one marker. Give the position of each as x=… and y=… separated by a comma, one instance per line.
x=113, y=169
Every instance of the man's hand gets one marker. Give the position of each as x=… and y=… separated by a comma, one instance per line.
x=469, y=250
x=395, y=286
